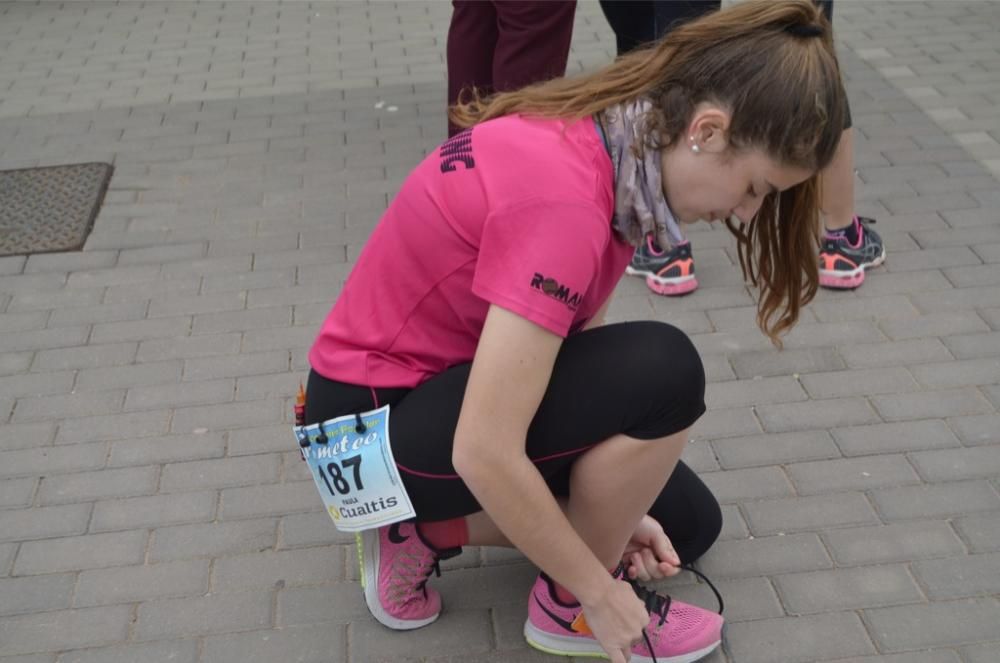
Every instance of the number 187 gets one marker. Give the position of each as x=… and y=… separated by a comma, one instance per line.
x=340, y=483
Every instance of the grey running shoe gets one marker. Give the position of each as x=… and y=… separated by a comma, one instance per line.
x=842, y=265
x=667, y=272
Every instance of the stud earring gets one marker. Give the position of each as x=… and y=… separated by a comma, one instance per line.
x=695, y=149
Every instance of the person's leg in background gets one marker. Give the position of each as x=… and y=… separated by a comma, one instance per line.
x=533, y=44
x=505, y=45
x=472, y=38
x=635, y=23
x=632, y=21
x=849, y=244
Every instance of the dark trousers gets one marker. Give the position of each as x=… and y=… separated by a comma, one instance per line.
x=504, y=45
x=643, y=379
x=638, y=22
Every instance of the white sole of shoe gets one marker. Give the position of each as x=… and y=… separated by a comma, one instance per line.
x=570, y=646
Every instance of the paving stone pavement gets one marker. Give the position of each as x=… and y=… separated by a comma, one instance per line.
x=152, y=505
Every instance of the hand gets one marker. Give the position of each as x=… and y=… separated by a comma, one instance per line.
x=649, y=554
x=617, y=620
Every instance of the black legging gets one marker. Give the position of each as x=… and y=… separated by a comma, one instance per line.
x=638, y=22
x=643, y=379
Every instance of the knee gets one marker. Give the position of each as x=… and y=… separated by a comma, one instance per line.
x=709, y=528
x=667, y=365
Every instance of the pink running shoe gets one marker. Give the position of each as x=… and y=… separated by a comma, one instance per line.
x=677, y=632
x=396, y=563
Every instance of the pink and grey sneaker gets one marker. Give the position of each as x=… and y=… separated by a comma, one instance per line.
x=396, y=563
x=677, y=632
x=667, y=272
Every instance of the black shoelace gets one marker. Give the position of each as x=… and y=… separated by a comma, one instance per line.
x=435, y=566
x=659, y=604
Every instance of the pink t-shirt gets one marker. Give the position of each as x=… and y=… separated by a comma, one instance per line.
x=514, y=212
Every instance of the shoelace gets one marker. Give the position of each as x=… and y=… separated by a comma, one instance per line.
x=718, y=596
x=435, y=567
x=659, y=604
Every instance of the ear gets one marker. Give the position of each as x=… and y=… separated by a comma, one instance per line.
x=709, y=129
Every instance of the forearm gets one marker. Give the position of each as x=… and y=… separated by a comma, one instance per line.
x=517, y=499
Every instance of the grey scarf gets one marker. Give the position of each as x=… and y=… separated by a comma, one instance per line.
x=640, y=206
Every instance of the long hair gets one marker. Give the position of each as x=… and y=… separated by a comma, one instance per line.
x=772, y=65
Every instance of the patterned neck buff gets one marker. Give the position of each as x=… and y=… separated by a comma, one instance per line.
x=640, y=206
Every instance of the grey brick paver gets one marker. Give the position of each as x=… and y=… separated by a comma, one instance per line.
x=931, y=404
x=772, y=449
x=764, y=556
x=748, y=484
x=936, y=500
x=799, y=639
x=337, y=603
x=808, y=513
x=289, y=568
x=212, y=539
x=24, y=436
x=894, y=437
x=252, y=165
x=52, y=460
x=980, y=532
x=935, y=624
x=847, y=589
x=130, y=584
x=91, y=551
x=87, y=486
x=932, y=656
x=39, y=594
x=172, y=651
x=17, y=492
x=467, y=630
x=154, y=511
x=64, y=629
x=983, y=653
x=306, y=644
x=217, y=613
x=974, y=575
x=816, y=414
x=219, y=473
x=853, y=474
x=836, y=384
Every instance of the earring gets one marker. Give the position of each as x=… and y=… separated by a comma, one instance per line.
x=695, y=148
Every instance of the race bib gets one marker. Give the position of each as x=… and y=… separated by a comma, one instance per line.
x=352, y=464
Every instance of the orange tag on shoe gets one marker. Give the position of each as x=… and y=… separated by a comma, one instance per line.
x=580, y=626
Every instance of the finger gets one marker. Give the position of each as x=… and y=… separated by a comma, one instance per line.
x=665, y=550
x=638, y=569
x=617, y=656
x=668, y=569
x=651, y=564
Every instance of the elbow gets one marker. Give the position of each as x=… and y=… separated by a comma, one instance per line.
x=466, y=462
x=474, y=463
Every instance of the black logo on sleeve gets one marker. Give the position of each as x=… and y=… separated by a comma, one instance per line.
x=551, y=287
x=457, y=149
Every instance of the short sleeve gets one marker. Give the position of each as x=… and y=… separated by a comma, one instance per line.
x=538, y=260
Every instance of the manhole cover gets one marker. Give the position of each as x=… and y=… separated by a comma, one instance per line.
x=50, y=209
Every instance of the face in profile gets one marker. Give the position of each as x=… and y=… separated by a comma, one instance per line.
x=716, y=181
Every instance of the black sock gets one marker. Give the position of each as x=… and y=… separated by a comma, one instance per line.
x=851, y=233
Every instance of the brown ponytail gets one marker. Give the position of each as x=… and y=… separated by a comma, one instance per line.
x=772, y=65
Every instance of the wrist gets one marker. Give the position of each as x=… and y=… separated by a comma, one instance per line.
x=596, y=589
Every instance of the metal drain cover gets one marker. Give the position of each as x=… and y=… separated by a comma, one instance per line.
x=50, y=209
